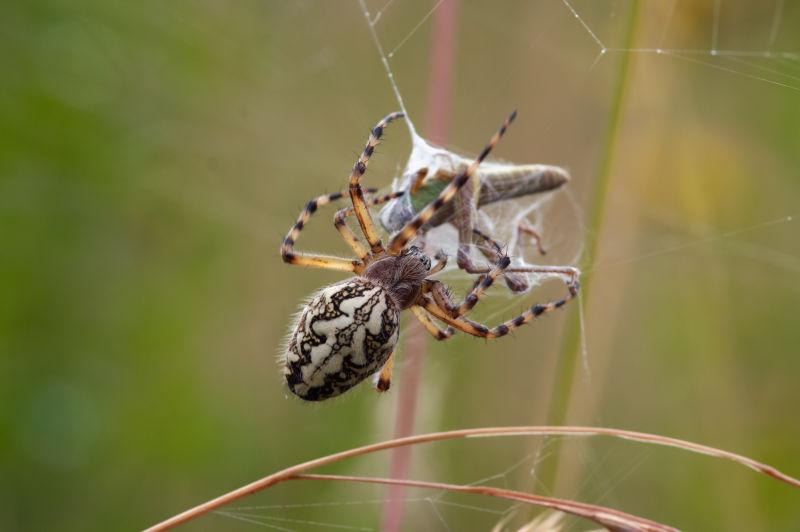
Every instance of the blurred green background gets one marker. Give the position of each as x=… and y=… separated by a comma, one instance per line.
x=153, y=154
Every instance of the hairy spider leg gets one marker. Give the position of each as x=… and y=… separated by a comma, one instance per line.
x=474, y=328
x=496, y=246
x=493, y=251
x=410, y=230
x=317, y=261
x=384, y=379
x=357, y=194
x=425, y=319
x=340, y=222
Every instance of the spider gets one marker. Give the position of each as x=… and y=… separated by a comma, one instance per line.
x=348, y=331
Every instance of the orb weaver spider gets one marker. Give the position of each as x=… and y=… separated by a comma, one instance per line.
x=348, y=331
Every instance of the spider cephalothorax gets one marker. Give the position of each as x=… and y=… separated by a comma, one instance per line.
x=348, y=330
x=401, y=275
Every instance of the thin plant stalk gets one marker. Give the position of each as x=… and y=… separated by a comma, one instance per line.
x=489, y=432
x=439, y=88
x=567, y=361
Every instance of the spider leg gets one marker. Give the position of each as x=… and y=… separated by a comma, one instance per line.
x=567, y=271
x=357, y=194
x=496, y=246
x=441, y=257
x=418, y=179
x=441, y=295
x=493, y=251
x=383, y=380
x=317, y=261
x=468, y=326
x=430, y=326
x=571, y=274
x=340, y=221
x=410, y=230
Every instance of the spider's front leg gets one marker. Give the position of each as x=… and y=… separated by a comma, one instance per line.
x=357, y=194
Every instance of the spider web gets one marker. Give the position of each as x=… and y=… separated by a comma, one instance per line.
x=586, y=35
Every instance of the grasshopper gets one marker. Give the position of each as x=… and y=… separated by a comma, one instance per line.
x=495, y=182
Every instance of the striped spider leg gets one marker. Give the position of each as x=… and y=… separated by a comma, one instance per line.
x=466, y=325
x=361, y=210
x=438, y=301
x=357, y=195
x=289, y=255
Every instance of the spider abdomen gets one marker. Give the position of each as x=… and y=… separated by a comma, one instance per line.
x=345, y=333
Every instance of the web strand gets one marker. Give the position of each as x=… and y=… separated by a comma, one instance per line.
x=693, y=55
x=414, y=30
x=388, y=68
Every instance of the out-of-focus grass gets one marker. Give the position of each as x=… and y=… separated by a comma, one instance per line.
x=153, y=154
x=573, y=344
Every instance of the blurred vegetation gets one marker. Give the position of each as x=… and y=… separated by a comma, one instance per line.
x=154, y=153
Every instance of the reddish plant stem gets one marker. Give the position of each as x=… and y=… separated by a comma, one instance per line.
x=439, y=87
x=441, y=71
x=404, y=425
